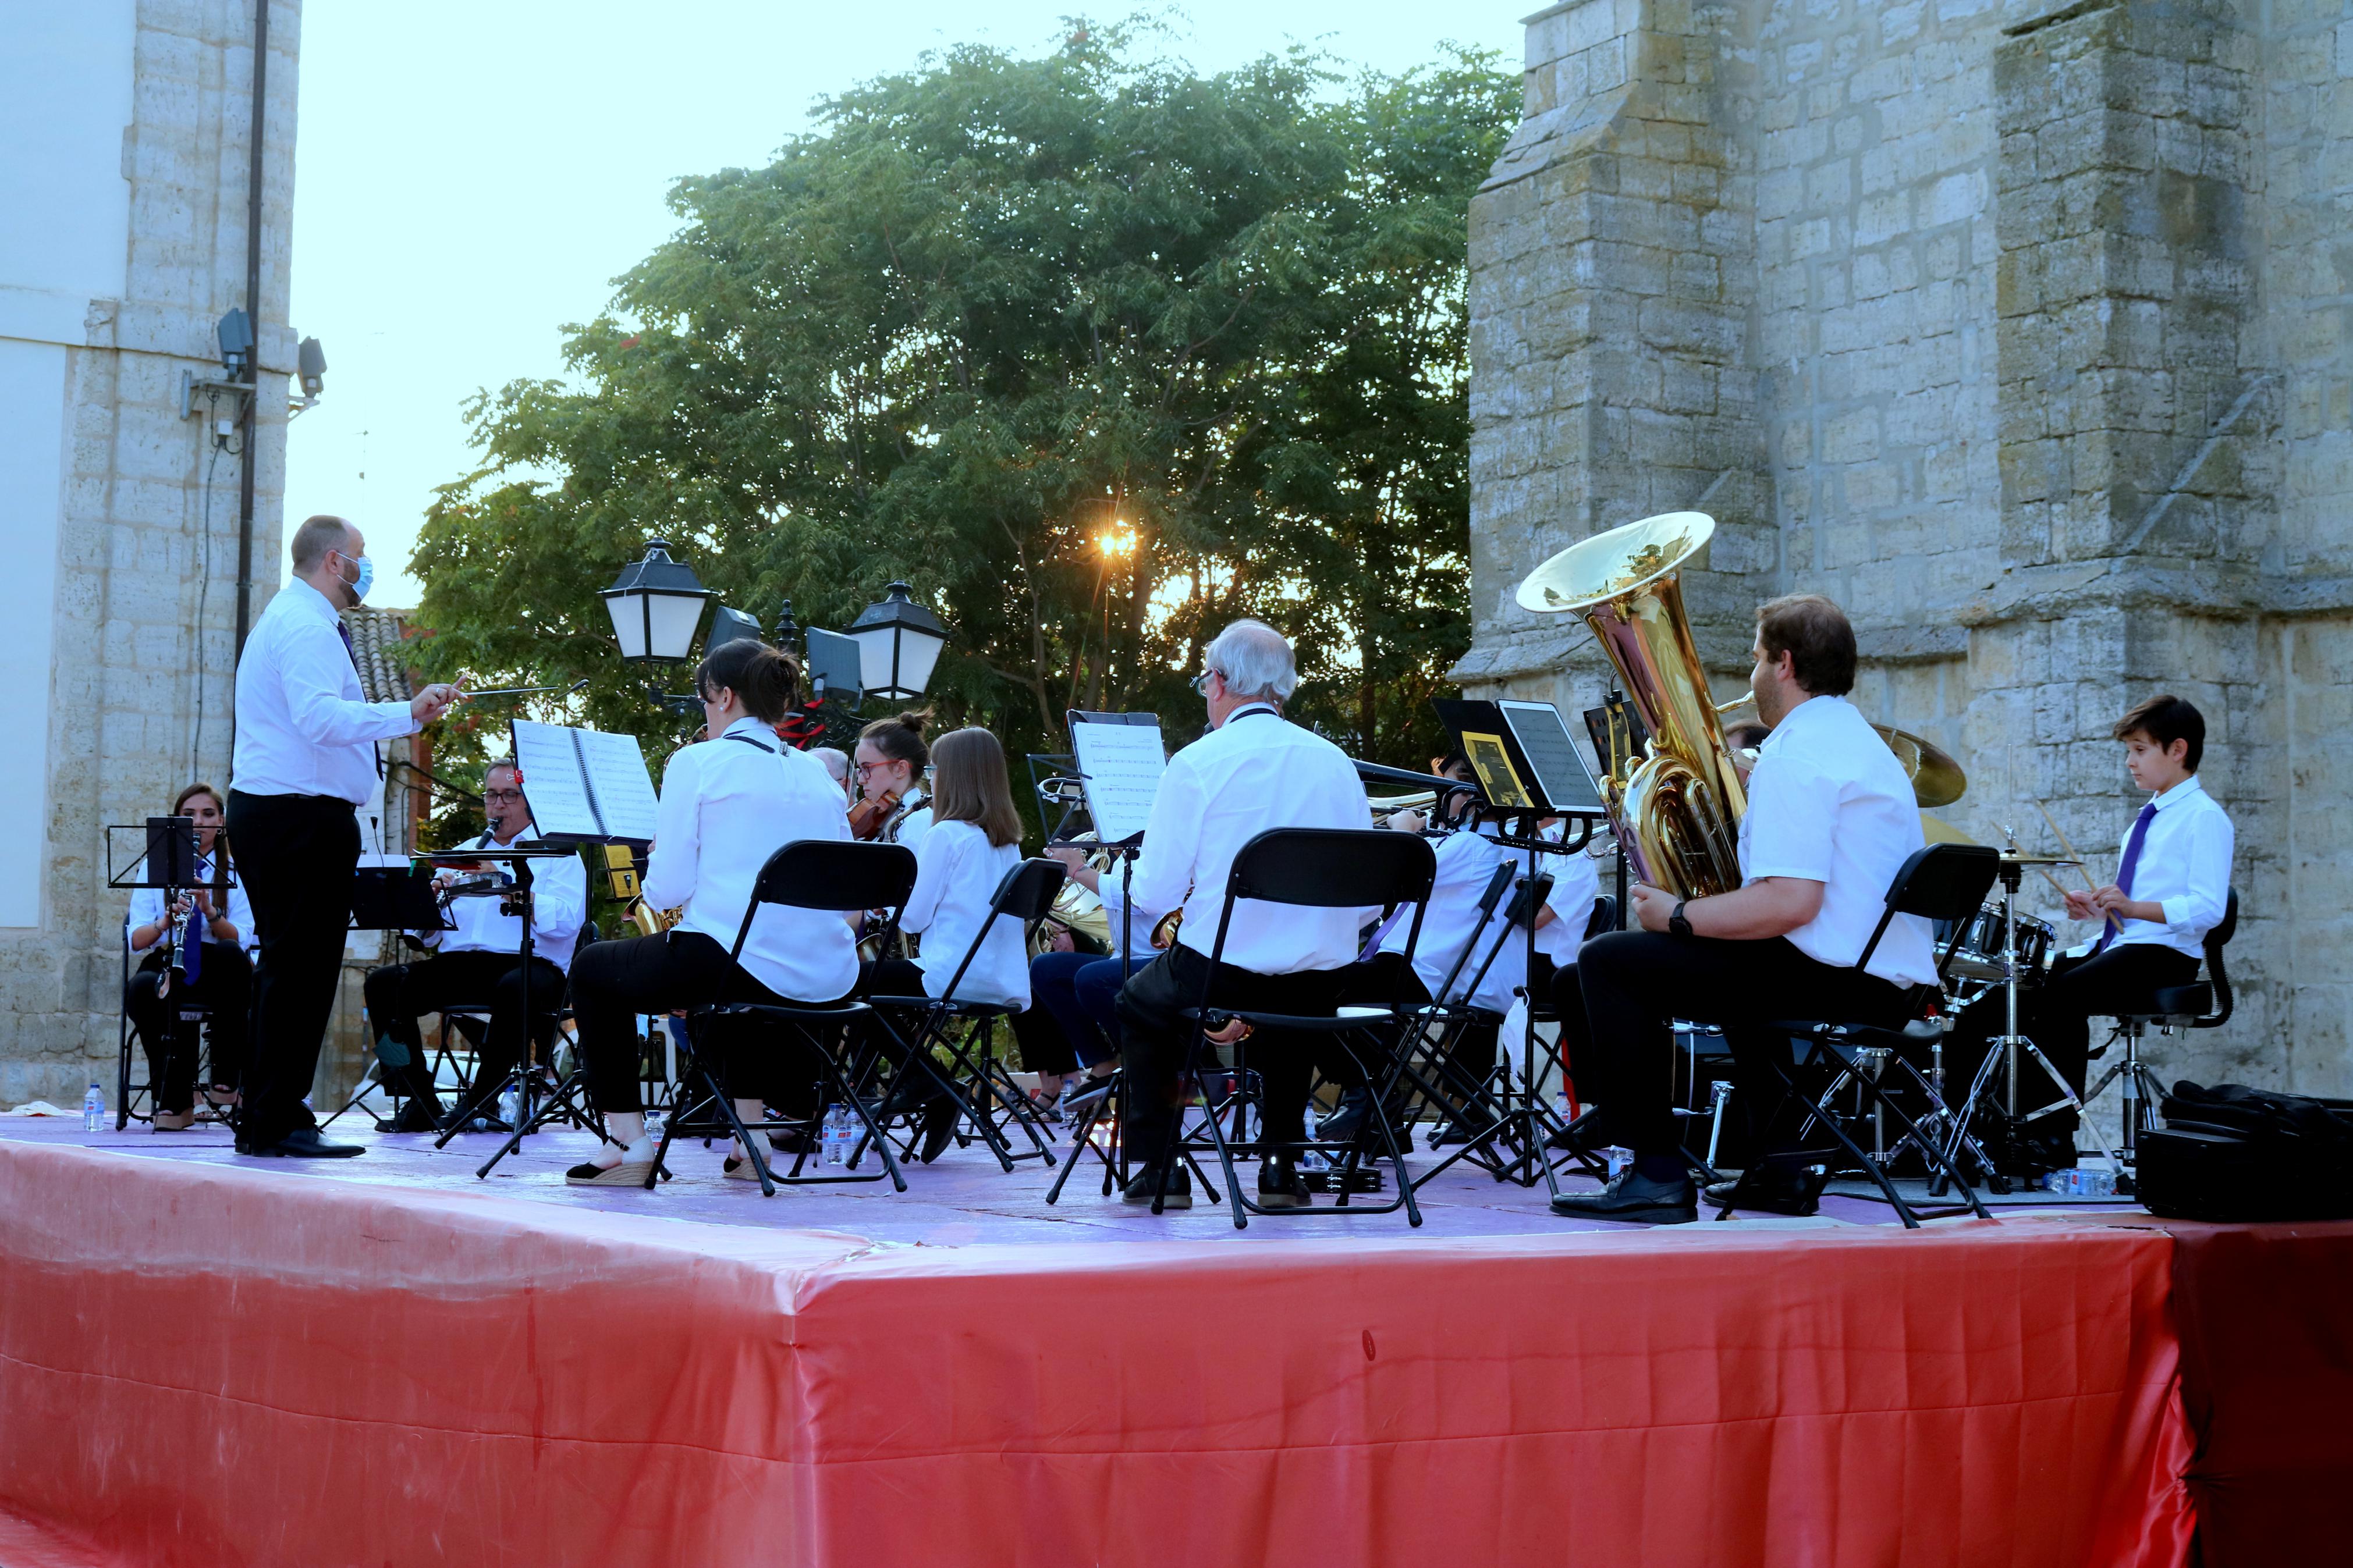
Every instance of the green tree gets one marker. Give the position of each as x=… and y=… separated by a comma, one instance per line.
x=993, y=313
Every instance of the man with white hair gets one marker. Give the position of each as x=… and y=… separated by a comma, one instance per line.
x=1253, y=771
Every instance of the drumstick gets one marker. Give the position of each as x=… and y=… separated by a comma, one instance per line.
x=2108, y=916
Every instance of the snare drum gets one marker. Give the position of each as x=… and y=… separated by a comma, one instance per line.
x=1980, y=955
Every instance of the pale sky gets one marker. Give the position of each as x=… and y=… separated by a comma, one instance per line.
x=471, y=177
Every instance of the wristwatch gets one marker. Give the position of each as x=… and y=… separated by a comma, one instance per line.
x=1675, y=922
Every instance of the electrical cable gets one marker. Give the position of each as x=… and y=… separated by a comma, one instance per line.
x=204, y=595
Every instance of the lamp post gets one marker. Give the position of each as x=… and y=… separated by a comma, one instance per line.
x=899, y=643
x=657, y=606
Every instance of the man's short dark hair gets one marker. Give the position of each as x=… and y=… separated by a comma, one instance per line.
x=2166, y=719
x=317, y=536
x=1814, y=632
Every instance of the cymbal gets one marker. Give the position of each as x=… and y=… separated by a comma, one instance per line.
x=1937, y=831
x=1937, y=778
x=2014, y=857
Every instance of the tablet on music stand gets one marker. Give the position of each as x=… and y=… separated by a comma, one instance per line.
x=1567, y=785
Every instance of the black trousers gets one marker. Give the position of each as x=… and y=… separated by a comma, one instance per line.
x=398, y=993
x=297, y=854
x=1153, y=1038
x=223, y=984
x=613, y=983
x=1630, y=983
x=2056, y=1016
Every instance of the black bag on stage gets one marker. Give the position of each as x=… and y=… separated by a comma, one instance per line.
x=2230, y=1153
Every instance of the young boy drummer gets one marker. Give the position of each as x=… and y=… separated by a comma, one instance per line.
x=2171, y=885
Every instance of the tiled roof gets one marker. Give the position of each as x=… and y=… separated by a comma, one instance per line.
x=377, y=639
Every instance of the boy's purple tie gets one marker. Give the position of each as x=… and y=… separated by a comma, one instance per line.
x=2125, y=872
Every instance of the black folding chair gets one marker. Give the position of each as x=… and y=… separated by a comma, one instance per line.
x=186, y=1020
x=824, y=874
x=984, y=1089
x=1941, y=882
x=1310, y=867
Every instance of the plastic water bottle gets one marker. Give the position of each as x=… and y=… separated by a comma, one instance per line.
x=1620, y=1160
x=837, y=1134
x=94, y=1109
x=654, y=1126
x=511, y=1107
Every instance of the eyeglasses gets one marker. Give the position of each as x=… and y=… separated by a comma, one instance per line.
x=502, y=795
x=1201, y=681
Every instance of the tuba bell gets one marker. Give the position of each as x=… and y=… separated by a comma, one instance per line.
x=1677, y=809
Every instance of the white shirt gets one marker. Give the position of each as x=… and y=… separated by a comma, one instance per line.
x=1576, y=883
x=1142, y=920
x=147, y=908
x=909, y=833
x=2184, y=865
x=956, y=874
x=1254, y=771
x=1829, y=803
x=1452, y=929
x=726, y=806
x=559, y=908
x=301, y=728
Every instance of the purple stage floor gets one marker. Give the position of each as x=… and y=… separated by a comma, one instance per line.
x=963, y=1199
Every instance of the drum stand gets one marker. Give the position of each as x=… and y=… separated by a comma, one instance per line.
x=2003, y=1050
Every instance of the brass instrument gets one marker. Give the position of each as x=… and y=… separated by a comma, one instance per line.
x=1677, y=810
x=621, y=876
x=651, y=922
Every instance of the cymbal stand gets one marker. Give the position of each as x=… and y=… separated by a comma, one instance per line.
x=2003, y=1051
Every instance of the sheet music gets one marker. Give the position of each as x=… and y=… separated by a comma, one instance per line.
x=552, y=784
x=623, y=789
x=1543, y=740
x=1121, y=765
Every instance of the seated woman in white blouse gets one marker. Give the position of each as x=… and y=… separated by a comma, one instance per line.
x=975, y=838
x=727, y=804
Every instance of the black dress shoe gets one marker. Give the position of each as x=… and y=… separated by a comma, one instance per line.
x=303, y=1143
x=1279, y=1185
x=1348, y=1120
x=1139, y=1189
x=938, y=1125
x=418, y=1116
x=1764, y=1196
x=1635, y=1199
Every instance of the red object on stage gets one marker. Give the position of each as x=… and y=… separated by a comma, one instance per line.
x=203, y=1366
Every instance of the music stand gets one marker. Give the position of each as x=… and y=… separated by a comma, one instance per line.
x=166, y=860
x=1528, y=770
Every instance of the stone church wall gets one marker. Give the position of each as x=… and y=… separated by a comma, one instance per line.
x=2021, y=330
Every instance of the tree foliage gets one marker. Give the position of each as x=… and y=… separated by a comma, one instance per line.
x=989, y=310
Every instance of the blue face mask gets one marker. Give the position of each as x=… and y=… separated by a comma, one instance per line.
x=360, y=586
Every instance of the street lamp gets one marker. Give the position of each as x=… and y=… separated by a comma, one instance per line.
x=899, y=642
x=656, y=604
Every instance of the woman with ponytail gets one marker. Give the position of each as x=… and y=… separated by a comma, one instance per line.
x=727, y=804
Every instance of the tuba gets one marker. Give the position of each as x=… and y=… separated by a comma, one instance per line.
x=1677, y=809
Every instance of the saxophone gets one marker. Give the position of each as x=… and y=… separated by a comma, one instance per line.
x=621, y=875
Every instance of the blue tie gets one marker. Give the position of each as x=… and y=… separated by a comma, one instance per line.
x=2125, y=872
x=344, y=632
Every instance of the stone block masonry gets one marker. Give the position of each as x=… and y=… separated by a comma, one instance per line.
x=2023, y=330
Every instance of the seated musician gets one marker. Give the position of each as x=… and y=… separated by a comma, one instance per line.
x=480, y=963
x=888, y=768
x=727, y=804
x=1467, y=855
x=2172, y=885
x=1075, y=1023
x=1830, y=820
x=223, y=979
x=1255, y=771
x=974, y=838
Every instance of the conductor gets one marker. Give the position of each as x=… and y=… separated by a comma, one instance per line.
x=305, y=757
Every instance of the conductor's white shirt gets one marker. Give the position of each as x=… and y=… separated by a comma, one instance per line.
x=956, y=874
x=2184, y=865
x=147, y=907
x=302, y=726
x=1829, y=803
x=1256, y=771
x=726, y=806
x=559, y=908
